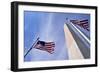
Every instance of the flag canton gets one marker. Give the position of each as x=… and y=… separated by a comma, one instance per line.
x=41, y=42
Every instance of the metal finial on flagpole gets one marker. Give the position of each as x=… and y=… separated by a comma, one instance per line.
x=66, y=18
x=31, y=47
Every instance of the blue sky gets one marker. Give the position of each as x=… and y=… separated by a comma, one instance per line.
x=49, y=27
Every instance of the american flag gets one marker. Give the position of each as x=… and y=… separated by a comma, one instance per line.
x=82, y=23
x=45, y=46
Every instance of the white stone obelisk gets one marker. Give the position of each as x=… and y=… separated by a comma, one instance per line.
x=73, y=49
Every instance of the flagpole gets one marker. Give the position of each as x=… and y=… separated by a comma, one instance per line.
x=31, y=47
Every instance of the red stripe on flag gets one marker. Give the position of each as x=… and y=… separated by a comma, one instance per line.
x=84, y=20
